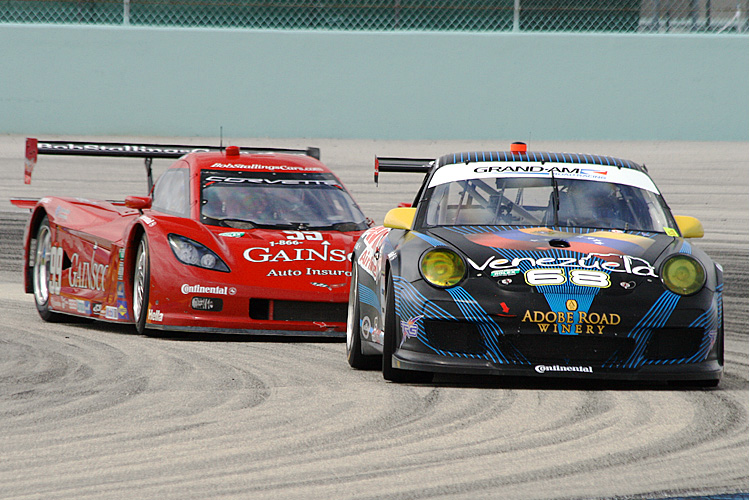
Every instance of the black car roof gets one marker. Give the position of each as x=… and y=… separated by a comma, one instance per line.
x=537, y=156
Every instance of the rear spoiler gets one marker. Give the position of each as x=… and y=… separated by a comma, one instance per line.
x=393, y=164
x=35, y=147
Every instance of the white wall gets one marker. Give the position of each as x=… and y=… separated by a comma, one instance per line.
x=82, y=80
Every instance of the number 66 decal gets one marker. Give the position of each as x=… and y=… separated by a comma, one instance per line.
x=580, y=277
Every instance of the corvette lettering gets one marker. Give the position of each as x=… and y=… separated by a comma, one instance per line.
x=295, y=182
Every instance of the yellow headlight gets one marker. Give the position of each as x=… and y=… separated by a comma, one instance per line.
x=683, y=275
x=442, y=267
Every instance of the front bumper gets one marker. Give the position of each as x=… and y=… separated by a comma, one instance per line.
x=420, y=361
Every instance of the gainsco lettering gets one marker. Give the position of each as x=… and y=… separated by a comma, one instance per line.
x=260, y=254
x=86, y=274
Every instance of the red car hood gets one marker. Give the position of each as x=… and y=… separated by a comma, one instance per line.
x=288, y=262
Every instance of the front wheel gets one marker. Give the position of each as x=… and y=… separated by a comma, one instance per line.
x=391, y=337
x=46, y=272
x=354, y=331
x=141, y=284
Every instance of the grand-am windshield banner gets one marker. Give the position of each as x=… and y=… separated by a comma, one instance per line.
x=597, y=173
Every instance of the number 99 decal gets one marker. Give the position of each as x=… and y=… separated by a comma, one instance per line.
x=580, y=277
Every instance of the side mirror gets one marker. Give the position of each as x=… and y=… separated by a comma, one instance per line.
x=400, y=218
x=690, y=227
x=138, y=202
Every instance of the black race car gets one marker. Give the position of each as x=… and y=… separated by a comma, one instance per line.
x=535, y=264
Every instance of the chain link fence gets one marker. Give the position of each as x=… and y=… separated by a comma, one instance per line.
x=612, y=16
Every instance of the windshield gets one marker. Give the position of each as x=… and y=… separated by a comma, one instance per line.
x=246, y=200
x=546, y=201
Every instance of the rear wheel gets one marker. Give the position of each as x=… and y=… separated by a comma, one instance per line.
x=391, y=338
x=141, y=283
x=47, y=263
x=354, y=332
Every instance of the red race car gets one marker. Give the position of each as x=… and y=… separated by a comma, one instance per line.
x=230, y=240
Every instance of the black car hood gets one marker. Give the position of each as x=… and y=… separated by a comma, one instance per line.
x=624, y=255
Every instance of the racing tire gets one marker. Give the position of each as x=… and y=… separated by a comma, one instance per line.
x=141, y=285
x=41, y=272
x=390, y=342
x=354, y=354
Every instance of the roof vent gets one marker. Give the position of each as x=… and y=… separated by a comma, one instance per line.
x=233, y=151
x=518, y=147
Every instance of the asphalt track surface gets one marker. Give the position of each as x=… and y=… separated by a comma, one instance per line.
x=97, y=411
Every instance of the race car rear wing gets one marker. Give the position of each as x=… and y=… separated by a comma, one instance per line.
x=148, y=152
x=393, y=164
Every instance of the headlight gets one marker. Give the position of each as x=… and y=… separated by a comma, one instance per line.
x=683, y=274
x=193, y=253
x=442, y=267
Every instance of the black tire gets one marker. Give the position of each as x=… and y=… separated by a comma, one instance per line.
x=390, y=342
x=43, y=262
x=141, y=285
x=353, y=332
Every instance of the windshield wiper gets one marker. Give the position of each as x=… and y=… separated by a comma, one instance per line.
x=555, y=199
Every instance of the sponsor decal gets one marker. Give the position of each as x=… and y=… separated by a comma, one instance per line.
x=368, y=259
x=216, y=290
x=122, y=148
x=627, y=285
x=121, y=290
x=206, y=304
x=329, y=287
x=233, y=234
x=110, y=312
x=558, y=368
x=121, y=265
x=571, y=321
x=83, y=307
x=97, y=309
x=89, y=275
x=327, y=272
x=504, y=272
x=258, y=166
x=410, y=328
x=122, y=310
x=261, y=254
x=671, y=232
x=155, y=316
x=148, y=220
x=281, y=182
x=537, y=169
x=61, y=213
x=607, y=262
x=309, y=271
